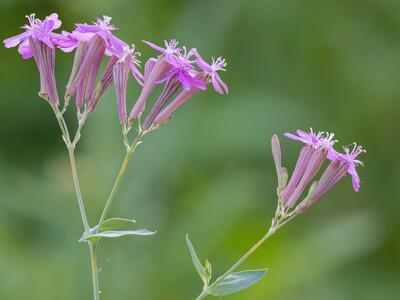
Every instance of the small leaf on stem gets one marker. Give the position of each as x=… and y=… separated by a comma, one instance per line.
x=116, y=224
x=237, y=281
x=119, y=233
x=196, y=261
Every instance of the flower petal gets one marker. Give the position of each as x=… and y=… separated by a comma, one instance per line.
x=15, y=40
x=154, y=46
x=25, y=49
x=201, y=62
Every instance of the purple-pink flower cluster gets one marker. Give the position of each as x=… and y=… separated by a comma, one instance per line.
x=181, y=72
x=318, y=148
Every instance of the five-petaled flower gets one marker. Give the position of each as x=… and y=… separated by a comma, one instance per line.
x=39, y=30
x=211, y=71
x=83, y=33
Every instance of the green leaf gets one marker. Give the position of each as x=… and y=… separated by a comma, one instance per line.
x=208, y=270
x=116, y=224
x=237, y=281
x=119, y=233
x=196, y=261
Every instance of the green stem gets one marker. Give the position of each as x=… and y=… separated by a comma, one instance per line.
x=95, y=272
x=129, y=152
x=203, y=294
x=71, y=152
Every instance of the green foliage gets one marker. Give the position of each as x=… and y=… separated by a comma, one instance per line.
x=204, y=272
x=113, y=228
x=236, y=282
x=116, y=224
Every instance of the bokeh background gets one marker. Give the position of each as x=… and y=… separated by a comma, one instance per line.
x=332, y=65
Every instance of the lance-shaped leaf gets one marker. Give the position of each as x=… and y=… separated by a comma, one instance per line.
x=237, y=281
x=201, y=270
x=116, y=224
x=119, y=233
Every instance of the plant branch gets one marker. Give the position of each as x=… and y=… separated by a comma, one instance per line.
x=71, y=151
x=129, y=151
x=280, y=219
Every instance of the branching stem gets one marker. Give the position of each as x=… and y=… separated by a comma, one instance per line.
x=281, y=218
x=129, y=152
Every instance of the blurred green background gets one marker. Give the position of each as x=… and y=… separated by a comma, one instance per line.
x=332, y=65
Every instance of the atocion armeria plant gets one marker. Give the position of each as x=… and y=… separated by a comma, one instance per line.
x=295, y=196
x=102, y=60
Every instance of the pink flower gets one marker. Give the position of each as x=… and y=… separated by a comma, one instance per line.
x=182, y=68
x=211, y=71
x=37, y=41
x=66, y=41
x=37, y=29
x=45, y=59
x=120, y=75
x=316, y=140
x=169, y=52
x=340, y=165
x=176, y=68
x=208, y=74
x=83, y=33
x=98, y=40
x=318, y=147
x=155, y=69
x=87, y=66
x=349, y=157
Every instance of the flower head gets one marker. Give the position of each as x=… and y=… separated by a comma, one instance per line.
x=211, y=71
x=318, y=146
x=37, y=29
x=182, y=68
x=83, y=33
x=175, y=67
x=340, y=165
x=166, y=67
x=171, y=49
x=349, y=157
x=316, y=140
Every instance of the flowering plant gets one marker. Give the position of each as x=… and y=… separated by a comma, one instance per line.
x=181, y=73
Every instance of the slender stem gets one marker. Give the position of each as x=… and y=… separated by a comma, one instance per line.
x=95, y=272
x=276, y=224
x=203, y=294
x=71, y=152
x=270, y=232
x=129, y=152
x=61, y=123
